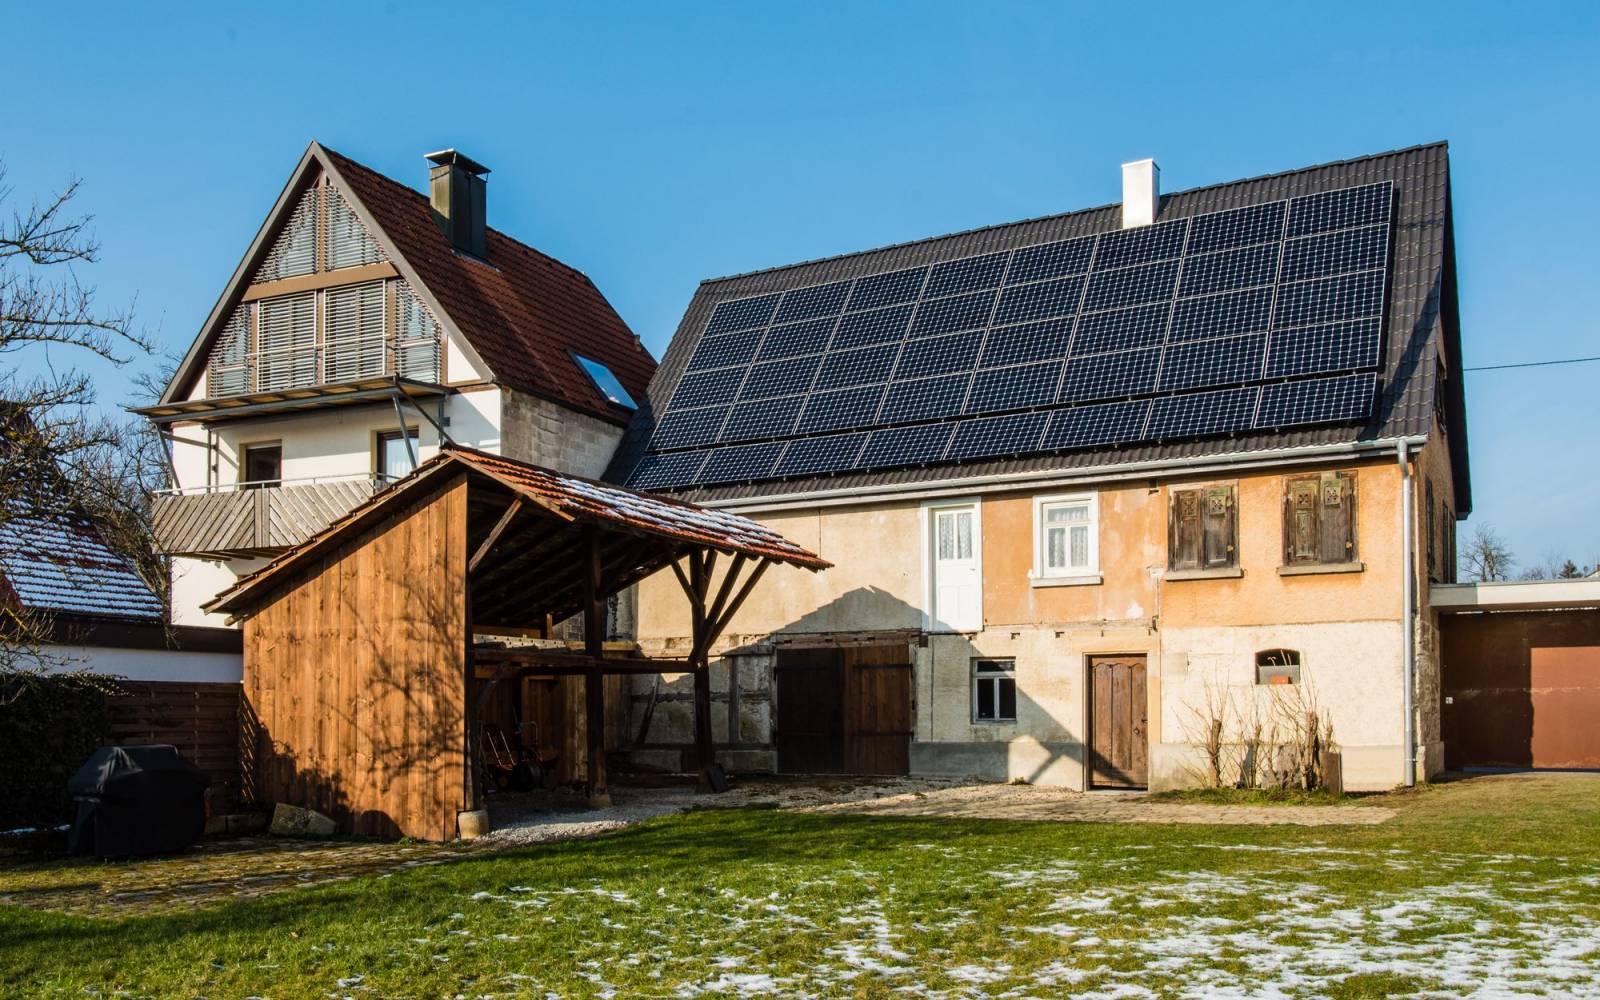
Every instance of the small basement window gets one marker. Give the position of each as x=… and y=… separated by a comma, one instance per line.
x=608, y=384
x=1278, y=666
x=994, y=690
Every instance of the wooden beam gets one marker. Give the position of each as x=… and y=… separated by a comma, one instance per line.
x=726, y=616
x=490, y=669
x=559, y=660
x=499, y=528
x=594, y=712
x=727, y=586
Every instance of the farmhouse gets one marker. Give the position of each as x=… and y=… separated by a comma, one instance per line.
x=1095, y=485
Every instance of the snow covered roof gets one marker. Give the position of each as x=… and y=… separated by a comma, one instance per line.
x=62, y=565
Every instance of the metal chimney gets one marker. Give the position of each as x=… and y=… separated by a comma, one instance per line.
x=1141, y=193
x=457, y=190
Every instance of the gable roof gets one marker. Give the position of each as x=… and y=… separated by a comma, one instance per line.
x=557, y=496
x=1419, y=330
x=61, y=564
x=521, y=312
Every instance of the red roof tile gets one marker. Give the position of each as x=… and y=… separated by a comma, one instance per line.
x=523, y=315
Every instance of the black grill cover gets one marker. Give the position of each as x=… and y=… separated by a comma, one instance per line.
x=137, y=800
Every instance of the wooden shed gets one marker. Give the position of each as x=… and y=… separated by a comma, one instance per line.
x=369, y=657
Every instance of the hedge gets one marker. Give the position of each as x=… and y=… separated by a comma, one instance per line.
x=49, y=725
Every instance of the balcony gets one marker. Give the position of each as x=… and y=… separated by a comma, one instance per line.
x=253, y=519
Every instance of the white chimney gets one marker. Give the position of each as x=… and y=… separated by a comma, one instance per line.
x=1141, y=193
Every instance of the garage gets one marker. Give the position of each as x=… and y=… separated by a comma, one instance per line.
x=1520, y=674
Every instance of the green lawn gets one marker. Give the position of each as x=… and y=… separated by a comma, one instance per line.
x=1490, y=887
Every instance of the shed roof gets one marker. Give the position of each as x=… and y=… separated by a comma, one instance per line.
x=572, y=500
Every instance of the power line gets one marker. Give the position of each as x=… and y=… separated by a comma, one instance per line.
x=1530, y=364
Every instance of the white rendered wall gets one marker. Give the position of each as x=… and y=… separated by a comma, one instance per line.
x=150, y=664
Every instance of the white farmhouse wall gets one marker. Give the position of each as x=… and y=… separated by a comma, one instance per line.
x=150, y=664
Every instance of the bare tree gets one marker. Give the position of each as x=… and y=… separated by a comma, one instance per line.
x=1486, y=557
x=57, y=459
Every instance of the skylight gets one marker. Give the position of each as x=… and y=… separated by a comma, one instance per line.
x=608, y=384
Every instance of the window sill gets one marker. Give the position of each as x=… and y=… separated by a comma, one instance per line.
x=1066, y=581
x=1226, y=573
x=1313, y=569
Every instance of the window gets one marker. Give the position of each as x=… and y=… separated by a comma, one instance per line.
x=396, y=455
x=994, y=690
x=417, y=337
x=1432, y=528
x=286, y=342
x=608, y=384
x=1449, y=546
x=262, y=466
x=1067, y=542
x=352, y=334
x=955, y=559
x=1201, y=526
x=1278, y=666
x=295, y=251
x=349, y=243
x=1319, y=519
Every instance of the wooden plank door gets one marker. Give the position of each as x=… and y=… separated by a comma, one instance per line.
x=877, y=709
x=810, y=723
x=1119, y=750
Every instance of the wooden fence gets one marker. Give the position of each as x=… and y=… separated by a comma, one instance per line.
x=200, y=719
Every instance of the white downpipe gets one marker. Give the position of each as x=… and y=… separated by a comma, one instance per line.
x=1408, y=664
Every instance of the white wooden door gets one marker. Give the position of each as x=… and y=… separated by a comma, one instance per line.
x=957, y=578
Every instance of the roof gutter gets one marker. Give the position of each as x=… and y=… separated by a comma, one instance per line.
x=1051, y=478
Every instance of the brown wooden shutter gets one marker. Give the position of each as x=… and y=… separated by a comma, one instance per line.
x=1302, y=525
x=1337, y=514
x=1184, y=530
x=1219, y=528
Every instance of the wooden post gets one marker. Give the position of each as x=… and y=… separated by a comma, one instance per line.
x=699, y=658
x=594, y=712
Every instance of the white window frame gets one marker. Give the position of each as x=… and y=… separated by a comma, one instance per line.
x=1042, y=575
x=930, y=582
x=994, y=676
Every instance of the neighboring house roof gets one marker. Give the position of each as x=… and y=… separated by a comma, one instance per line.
x=62, y=565
x=522, y=312
x=566, y=498
x=1419, y=330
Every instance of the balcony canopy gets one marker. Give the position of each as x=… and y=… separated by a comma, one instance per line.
x=260, y=404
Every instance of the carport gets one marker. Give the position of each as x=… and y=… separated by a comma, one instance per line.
x=370, y=649
x=1520, y=673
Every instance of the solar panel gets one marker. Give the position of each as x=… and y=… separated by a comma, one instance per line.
x=740, y=462
x=811, y=456
x=1108, y=376
x=687, y=428
x=1151, y=333
x=1202, y=363
x=1029, y=342
x=768, y=418
x=1011, y=388
x=869, y=364
x=1318, y=401
x=949, y=315
x=819, y=300
x=887, y=289
x=966, y=275
x=1202, y=413
x=1036, y=301
x=1221, y=315
x=881, y=326
x=987, y=437
x=832, y=411
x=741, y=314
x=1333, y=347
x=906, y=446
x=796, y=339
x=1100, y=424
x=924, y=399
x=1051, y=260
x=938, y=355
x=733, y=349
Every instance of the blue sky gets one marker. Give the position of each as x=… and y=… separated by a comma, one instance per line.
x=655, y=145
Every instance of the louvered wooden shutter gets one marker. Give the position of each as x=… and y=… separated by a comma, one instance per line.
x=1337, y=517
x=417, y=338
x=286, y=342
x=1302, y=525
x=1217, y=516
x=1184, y=530
x=353, y=332
x=229, y=372
x=349, y=243
x=295, y=252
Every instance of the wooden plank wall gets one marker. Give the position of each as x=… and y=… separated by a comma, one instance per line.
x=201, y=720
x=355, y=677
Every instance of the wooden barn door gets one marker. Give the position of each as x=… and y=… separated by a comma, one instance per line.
x=877, y=709
x=810, y=723
x=1119, y=750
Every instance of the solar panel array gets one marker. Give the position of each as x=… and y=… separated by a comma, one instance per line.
x=1256, y=318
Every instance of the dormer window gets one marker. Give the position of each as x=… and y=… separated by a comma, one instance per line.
x=607, y=382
